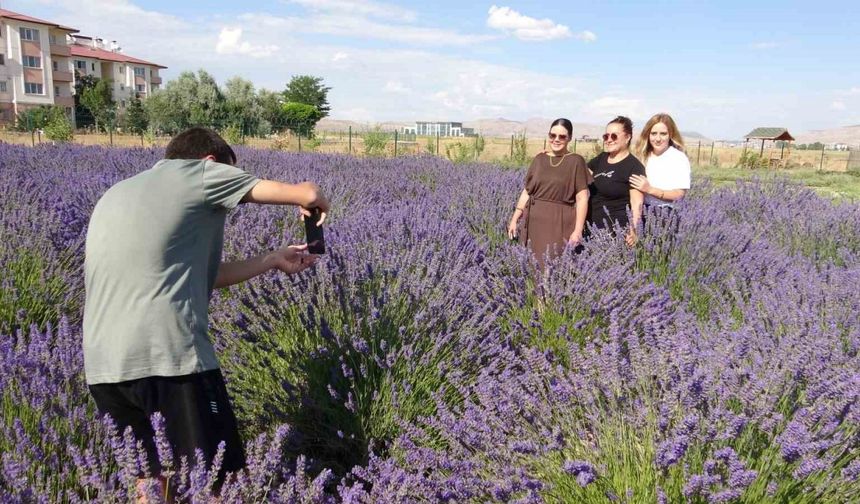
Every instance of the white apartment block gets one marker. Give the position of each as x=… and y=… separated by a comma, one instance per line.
x=438, y=128
x=40, y=60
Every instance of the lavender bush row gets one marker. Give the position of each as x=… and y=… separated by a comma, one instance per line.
x=424, y=361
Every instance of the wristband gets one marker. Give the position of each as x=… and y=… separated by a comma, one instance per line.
x=520, y=209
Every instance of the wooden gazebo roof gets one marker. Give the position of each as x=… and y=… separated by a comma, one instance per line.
x=769, y=134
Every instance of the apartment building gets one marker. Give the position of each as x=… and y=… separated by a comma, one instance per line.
x=40, y=60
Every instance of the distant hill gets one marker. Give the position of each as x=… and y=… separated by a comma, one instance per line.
x=849, y=135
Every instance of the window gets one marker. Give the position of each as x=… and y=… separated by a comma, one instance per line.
x=122, y=87
x=139, y=71
x=30, y=34
x=122, y=103
x=94, y=66
x=80, y=65
x=33, y=88
x=141, y=88
x=154, y=87
x=52, y=38
x=2, y=59
x=31, y=61
x=3, y=87
x=56, y=90
x=56, y=66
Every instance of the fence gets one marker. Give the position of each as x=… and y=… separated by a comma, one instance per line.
x=516, y=148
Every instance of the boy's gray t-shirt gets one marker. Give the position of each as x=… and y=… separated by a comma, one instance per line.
x=153, y=250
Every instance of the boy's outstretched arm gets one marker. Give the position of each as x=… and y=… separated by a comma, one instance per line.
x=291, y=259
x=305, y=194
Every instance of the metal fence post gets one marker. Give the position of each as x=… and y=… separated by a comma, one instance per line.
x=395, y=143
x=350, y=141
x=821, y=163
x=574, y=145
x=711, y=160
x=512, y=146
x=699, y=153
x=300, y=142
x=437, y=143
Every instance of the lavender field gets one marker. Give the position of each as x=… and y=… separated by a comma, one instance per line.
x=424, y=361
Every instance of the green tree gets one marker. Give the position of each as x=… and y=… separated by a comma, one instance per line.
x=272, y=105
x=309, y=90
x=98, y=99
x=189, y=100
x=58, y=126
x=301, y=117
x=135, y=119
x=243, y=109
x=34, y=118
x=83, y=117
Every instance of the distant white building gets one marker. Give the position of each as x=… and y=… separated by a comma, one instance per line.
x=442, y=129
x=836, y=146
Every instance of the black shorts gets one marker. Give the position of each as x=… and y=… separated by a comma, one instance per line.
x=196, y=411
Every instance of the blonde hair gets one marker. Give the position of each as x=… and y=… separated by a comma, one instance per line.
x=643, y=145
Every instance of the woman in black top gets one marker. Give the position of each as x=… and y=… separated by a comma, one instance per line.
x=610, y=193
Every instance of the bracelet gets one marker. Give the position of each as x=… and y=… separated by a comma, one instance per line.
x=520, y=209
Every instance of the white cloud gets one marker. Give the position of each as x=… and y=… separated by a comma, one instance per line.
x=359, y=8
x=764, y=45
x=230, y=42
x=611, y=106
x=838, y=105
x=396, y=87
x=339, y=56
x=586, y=36
x=524, y=27
x=355, y=26
x=854, y=91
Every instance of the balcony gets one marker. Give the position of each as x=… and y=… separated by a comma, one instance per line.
x=61, y=50
x=61, y=76
x=155, y=80
x=64, y=101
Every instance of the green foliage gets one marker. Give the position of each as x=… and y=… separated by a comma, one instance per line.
x=465, y=151
x=520, y=150
x=189, y=100
x=232, y=134
x=431, y=146
x=752, y=161
x=29, y=295
x=376, y=142
x=309, y=90
x=243, y=108
x=98, y=100
x=34, y=118
x=83, y=117
x=135, y=120
x=301, y=117
x=59, y=127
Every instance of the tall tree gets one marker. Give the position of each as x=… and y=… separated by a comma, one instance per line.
x=83, y=117
x=272, y=104
x=135, y=120
x=309, y=90
x=189, y=100
x=98, y=99
x=243, y=108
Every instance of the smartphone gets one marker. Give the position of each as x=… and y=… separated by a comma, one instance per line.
x=314, y=233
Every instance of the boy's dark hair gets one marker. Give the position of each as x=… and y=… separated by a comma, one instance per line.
x=197, y=143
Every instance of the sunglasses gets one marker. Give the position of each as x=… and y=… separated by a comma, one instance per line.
x=607, y=136
x=553, y=136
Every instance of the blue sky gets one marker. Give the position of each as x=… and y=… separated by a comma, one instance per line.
x=721, y=68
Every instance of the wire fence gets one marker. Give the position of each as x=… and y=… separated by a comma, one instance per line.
x=516, y=149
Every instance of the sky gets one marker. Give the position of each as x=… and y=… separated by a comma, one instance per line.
x=720, y=68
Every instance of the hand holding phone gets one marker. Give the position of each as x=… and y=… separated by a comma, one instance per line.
x=314, y=233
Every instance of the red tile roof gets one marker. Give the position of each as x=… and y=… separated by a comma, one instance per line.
x=30, y=19
x=85, y=51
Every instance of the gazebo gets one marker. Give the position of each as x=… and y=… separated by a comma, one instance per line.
x=772, y=134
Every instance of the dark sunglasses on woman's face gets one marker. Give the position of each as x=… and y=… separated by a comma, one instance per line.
x=607, y=136
x=553, y=136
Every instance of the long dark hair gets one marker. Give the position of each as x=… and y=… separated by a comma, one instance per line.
x=565, y=123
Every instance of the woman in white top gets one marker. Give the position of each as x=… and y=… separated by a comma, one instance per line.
x=667, y=168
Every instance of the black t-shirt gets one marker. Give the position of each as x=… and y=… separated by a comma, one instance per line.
x=610, y=191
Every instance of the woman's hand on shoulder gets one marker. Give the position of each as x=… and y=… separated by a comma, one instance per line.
x=640, y=183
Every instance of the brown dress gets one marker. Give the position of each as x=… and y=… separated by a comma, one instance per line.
x=550, y=216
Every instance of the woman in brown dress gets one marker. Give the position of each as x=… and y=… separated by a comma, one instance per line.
x=554, y=203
